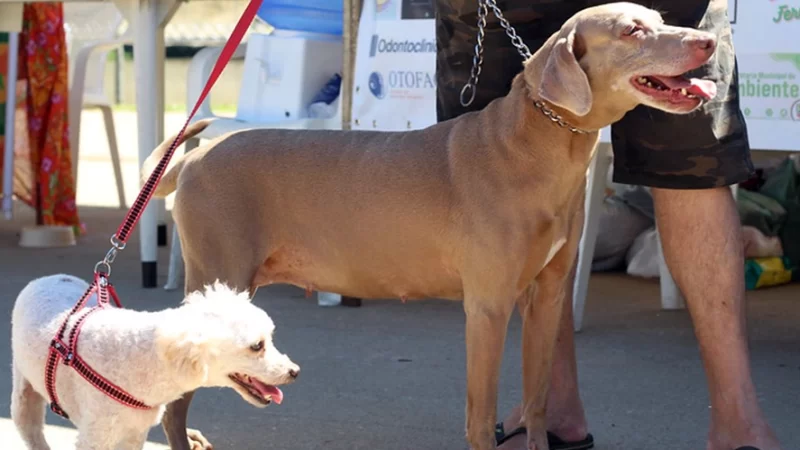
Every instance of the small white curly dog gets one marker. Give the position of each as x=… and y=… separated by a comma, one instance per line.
x=216, y=338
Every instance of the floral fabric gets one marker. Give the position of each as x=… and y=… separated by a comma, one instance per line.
x=43, y=65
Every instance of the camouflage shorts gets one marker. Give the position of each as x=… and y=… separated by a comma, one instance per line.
x=705, y=149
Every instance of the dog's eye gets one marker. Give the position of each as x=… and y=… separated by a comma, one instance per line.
x=258, y=346
x=633, y=30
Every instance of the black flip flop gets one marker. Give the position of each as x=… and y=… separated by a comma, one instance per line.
x=555, y=442
x=747, y=448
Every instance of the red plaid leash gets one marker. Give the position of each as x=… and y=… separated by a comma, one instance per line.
x=66, y=350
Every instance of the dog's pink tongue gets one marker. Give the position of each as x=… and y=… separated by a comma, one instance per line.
x=268, y=390
x=705, y=89
x=702, y=88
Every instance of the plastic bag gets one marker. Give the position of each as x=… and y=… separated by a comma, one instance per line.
x=644, y=255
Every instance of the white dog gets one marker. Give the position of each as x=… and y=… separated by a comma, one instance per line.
x=216, y=338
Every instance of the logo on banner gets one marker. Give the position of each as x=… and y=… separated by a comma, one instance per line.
x=786, y=13
x=400, y=83
x=379, y=45
x=773, y=91
x=376, y=85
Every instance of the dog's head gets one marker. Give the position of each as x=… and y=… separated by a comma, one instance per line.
x=219, y=338
x=608, y=59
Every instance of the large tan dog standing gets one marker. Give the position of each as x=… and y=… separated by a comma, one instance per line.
x=486, y=207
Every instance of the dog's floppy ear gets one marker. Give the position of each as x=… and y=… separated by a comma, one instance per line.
x=564, y=83
x=187, y=351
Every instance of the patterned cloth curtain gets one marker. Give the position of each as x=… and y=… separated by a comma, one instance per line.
x=43, y=166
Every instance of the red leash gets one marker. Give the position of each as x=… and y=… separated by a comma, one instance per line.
x=67, y=350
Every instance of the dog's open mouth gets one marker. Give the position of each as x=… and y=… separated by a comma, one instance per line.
x=261, y=392
x=677, y=89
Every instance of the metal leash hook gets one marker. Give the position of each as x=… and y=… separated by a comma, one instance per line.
x=477, y=60
x=103, y=267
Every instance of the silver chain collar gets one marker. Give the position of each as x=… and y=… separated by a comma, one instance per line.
x=553, y=116
x=469, y=89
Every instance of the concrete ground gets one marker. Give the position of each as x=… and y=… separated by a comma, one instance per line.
x=392, y=374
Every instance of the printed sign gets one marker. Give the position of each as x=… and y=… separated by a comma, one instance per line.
x=765, y=36
x=769, y=86
x=769, y=97
x=760, y=25
x=395, y=70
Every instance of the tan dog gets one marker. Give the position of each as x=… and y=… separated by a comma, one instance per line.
x=486, y=207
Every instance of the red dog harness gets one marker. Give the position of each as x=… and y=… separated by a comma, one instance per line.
x=67, y=350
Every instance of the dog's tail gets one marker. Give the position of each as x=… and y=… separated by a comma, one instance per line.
x=169, y=180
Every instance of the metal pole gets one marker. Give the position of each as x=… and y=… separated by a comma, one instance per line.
x=119, y=55
x=352, y=14
x=11, y=105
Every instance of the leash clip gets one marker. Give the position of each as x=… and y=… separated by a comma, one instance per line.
x=104, y=267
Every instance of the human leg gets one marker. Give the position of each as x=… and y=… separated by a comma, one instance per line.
x=705, y=222
x=690, y=161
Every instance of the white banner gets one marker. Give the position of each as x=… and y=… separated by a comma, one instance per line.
x=766, y=35
x=395, y=69
x=769, y=90
x=765, y=25
x=396, y=66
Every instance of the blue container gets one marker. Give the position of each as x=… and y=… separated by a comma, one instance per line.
x=311, y=16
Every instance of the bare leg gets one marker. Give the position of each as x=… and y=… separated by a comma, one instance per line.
x=27, y=412
x=540, y=327
x=565, y=415
x=705, y=222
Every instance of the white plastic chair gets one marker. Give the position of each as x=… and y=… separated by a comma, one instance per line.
x=671, y=297
x=92, y=31
x=197, y=75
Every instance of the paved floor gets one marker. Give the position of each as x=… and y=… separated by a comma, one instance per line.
x=390, y=376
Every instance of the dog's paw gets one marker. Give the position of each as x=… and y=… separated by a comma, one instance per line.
x=197, y=441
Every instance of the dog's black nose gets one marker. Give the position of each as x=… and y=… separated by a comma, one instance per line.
x=294, y=372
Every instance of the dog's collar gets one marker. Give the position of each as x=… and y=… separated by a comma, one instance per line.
x=553, y=116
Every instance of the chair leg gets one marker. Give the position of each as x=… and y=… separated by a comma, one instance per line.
x=671, y=296
x=108, y=118
x=595, y=189
x=176, y=268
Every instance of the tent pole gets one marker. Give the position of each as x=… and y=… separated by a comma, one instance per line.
x=352, y=13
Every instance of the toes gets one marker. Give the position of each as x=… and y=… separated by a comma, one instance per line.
x=197, y=445
x=537, y=441
x=197, y=441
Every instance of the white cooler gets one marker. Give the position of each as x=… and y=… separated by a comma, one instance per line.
x=283, y=71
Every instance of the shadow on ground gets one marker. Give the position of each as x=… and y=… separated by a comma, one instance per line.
x=391, y=375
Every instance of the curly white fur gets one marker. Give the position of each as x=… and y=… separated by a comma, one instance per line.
x=154, y=356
